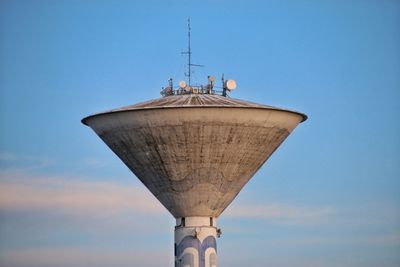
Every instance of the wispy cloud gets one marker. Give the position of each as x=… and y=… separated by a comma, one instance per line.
x=10, y=160
x=92, y=162
x=281, y=213
x=7, y=156
x=84, y=256
x=392, y=239
x=21, y=191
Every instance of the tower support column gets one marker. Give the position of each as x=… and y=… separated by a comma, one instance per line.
x=196, y=242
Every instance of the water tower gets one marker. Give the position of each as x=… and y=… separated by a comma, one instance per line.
x=194, y=149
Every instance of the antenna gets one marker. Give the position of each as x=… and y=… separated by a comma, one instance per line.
x=189, y=53
x=223, y=85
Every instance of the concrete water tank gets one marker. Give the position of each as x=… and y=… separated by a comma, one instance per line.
x=194, y=152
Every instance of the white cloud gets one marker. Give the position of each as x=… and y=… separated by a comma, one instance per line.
x=21, y=191
x=392, y=239
x=281, y=213
x=7, y=156
x=29, y=162
x=92, y=162
x=84, y=256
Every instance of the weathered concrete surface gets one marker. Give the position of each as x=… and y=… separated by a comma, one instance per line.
x=194, y=152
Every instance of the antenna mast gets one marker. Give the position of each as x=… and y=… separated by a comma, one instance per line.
x=189, y=53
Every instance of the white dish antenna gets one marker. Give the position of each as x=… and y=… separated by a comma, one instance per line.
x=182, y=84
x=211, y=79
x=230, y=85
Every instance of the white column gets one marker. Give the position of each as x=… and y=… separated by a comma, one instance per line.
x=196, y=242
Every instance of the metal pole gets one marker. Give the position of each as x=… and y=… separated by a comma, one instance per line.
x=189, y=53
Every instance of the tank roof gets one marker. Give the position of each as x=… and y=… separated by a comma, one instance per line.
x=193, y=100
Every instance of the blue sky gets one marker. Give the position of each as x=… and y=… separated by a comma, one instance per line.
x=329, y=196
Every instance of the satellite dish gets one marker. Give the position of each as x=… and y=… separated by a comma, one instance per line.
x=167, y=91
x=211, y=79
x=182, y=84
x=230, y=85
